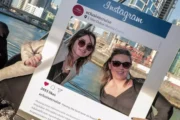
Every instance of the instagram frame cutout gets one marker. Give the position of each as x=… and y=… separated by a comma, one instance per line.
x=54, y=101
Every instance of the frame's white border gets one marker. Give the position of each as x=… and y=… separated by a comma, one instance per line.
x=166, y=51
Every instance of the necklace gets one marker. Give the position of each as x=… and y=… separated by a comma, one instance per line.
x=67, y=68
x=66, y=65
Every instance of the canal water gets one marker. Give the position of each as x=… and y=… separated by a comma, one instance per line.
x=86, y=83
x=20, y=32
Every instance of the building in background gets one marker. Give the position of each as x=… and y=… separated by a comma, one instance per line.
x=37, y=11
x=175, y=67
x=20, y=4
x=161, y=9
x=53, y=8
x=50, y=12
x=41, y=3
x=166, y=8
x=5, y=3
x=176, y=22
x=157, y=8
x=14, y=3
x=150, y=7
x=35, y=7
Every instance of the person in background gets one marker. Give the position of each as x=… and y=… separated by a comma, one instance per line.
x=4, y=32
x=30, y=58
x=119, y=89
x=72, y=57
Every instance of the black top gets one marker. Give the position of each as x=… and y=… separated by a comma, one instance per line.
x=120, y=102
x=125, y=101
x=56, y=73
x=3, y=52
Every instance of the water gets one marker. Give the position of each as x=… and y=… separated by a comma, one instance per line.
x=89, y=77
x=20, y=32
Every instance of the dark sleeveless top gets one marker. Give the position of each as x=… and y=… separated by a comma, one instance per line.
x=3, y=52
x=125, y=101
x=56, y=73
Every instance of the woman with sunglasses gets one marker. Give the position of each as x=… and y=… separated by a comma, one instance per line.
x=80, y=49
x=119, y=89
x=73, y=57
x=31, y=55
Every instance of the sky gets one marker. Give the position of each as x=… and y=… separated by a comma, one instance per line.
x=176, y=12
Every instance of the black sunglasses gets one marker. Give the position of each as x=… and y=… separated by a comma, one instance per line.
x=125, y=65
x=82, y=43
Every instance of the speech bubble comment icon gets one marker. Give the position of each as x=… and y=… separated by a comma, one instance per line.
x=52, y=87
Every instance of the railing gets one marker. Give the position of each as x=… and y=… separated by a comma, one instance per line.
x=14, y=51
x=45, y=36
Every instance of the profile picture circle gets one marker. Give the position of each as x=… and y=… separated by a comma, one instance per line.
x=78, y=10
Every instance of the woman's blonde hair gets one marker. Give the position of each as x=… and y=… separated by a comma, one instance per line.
x=106, y=71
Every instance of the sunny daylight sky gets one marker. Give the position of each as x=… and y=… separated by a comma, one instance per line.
x=176, y=12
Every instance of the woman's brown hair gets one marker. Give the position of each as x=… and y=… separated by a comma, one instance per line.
x=81, y=60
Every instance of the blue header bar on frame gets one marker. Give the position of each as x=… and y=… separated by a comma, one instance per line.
x=129, y=15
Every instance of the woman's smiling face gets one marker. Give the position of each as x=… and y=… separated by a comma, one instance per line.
x=83, y=46
x=118, y=70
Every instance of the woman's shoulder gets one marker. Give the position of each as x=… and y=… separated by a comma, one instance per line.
x=139, y=80
x=58, y=65
x=138, y=83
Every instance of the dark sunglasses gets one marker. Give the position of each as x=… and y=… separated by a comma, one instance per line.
x=125, y=65
x=82, y=43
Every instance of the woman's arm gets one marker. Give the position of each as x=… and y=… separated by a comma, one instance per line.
x=15, y=70
x=31, y=56
x=163, y=107
x=31, y=49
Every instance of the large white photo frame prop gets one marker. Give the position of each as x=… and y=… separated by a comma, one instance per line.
x=116, y=18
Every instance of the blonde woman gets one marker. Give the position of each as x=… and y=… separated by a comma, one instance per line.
x=119, y=89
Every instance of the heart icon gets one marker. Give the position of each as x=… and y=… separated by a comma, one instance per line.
x=46, y=83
